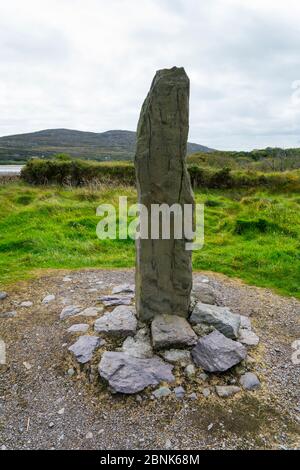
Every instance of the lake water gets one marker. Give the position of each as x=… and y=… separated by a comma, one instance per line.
x=10, y=169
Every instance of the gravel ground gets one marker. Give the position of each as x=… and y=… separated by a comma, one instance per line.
x=43, y=407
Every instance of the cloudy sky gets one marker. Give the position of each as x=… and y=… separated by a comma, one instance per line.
x=88, y=64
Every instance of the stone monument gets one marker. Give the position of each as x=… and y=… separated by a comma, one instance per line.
x=163, y=266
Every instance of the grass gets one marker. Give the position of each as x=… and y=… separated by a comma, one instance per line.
x=250, y=234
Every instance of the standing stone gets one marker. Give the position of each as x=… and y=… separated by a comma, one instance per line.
x=163, y=266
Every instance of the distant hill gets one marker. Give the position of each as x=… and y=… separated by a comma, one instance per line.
x=110, y=145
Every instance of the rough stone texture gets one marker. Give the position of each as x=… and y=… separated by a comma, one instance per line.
x=49, y=298
x=127, y=374
x=120, y=322
x=247, y=337
x=90, y=312
x=161, y=392
x=171, y=330
x=3, y=295
x=179, y=392
x=84, y=347
x=250, y=381
x=69, y=311
x=139, y=345
x=163, y=267
x=245, y=323
x=225, y=391
x=204, y=293
x=2, y=352
x=175, y=356
x=114, y=300
x=221, y=318
x=216, y=353
x=11, y=314
x=26, y=304
x=78, y=328
x=124, y=288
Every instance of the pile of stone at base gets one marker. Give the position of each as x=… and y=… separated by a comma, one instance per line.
x=172, y=353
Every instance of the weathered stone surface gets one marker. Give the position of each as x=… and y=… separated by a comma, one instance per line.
x=2, y=352
x=3, y=295
x=190, y=370
x=120, y=322
x=216, y=353
x=177, y=356
x=78, y=328
x=90, y=312
x=245, y=323
x=127, y=374
x=163, y=266
x=206, y=392
x=221, y=318
x=250, y=381
x=138, y=345
x=114, y=300
x=69, y=311
x=225, y=391
x=84, y=347
x=11, y=314
x=247, y=337
x=161, y=392
x=171, y=330
x=49, y=298
x=179, y=392
x=124, y=288
x=204, y=293
x=26, y=304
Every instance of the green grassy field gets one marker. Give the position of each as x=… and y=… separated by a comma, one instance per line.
x=250, y=234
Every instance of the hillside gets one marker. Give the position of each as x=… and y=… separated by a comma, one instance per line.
x=110, y=145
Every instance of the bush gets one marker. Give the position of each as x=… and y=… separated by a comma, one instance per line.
x=81, y=172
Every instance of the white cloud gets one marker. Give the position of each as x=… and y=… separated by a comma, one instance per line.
x=88, y=64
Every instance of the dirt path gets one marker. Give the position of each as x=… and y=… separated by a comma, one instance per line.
x=43, y=407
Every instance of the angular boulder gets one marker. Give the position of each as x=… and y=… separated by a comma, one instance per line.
x=163, y=265
x=114, y=300
x=250, y=381
x=204, y=293
x=177, y=356
x=127, y=374
x=84, y=347
x=247, y=337
x=120, y=322
x=171, y=330
x=78, y=328
x=124, y=288
x=217, y=353
x=69, y=311
x=220, y=318
x=138, y=345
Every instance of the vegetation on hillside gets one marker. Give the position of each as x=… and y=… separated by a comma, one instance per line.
x=79, y=172
x=253, y=234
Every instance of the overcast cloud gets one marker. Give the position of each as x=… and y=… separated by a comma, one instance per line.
x=88, y=64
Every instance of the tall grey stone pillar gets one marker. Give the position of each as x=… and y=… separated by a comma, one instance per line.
x=163, y=266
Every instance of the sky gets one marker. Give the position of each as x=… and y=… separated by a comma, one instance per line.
x=88, y=65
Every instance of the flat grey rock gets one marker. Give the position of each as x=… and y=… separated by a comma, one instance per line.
x=204, y=293
x=84, y=347
x=26, y=304
x=171, y=330
x=177, y=356
x=245, y=323
x=124, y=288
x=220, y=318
x=138, y=345
x=49, y=298
x=78, y=328
x=179, y=392
x=3, y=295
x=120, y=322
x=247, y=337
x=69, y=311
x=127, y=374
x=250, y=381
x=90, y=312
x=161, y=392
x=115, y=300
x=11, y=314
x=217, y=353
x=225, y=391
